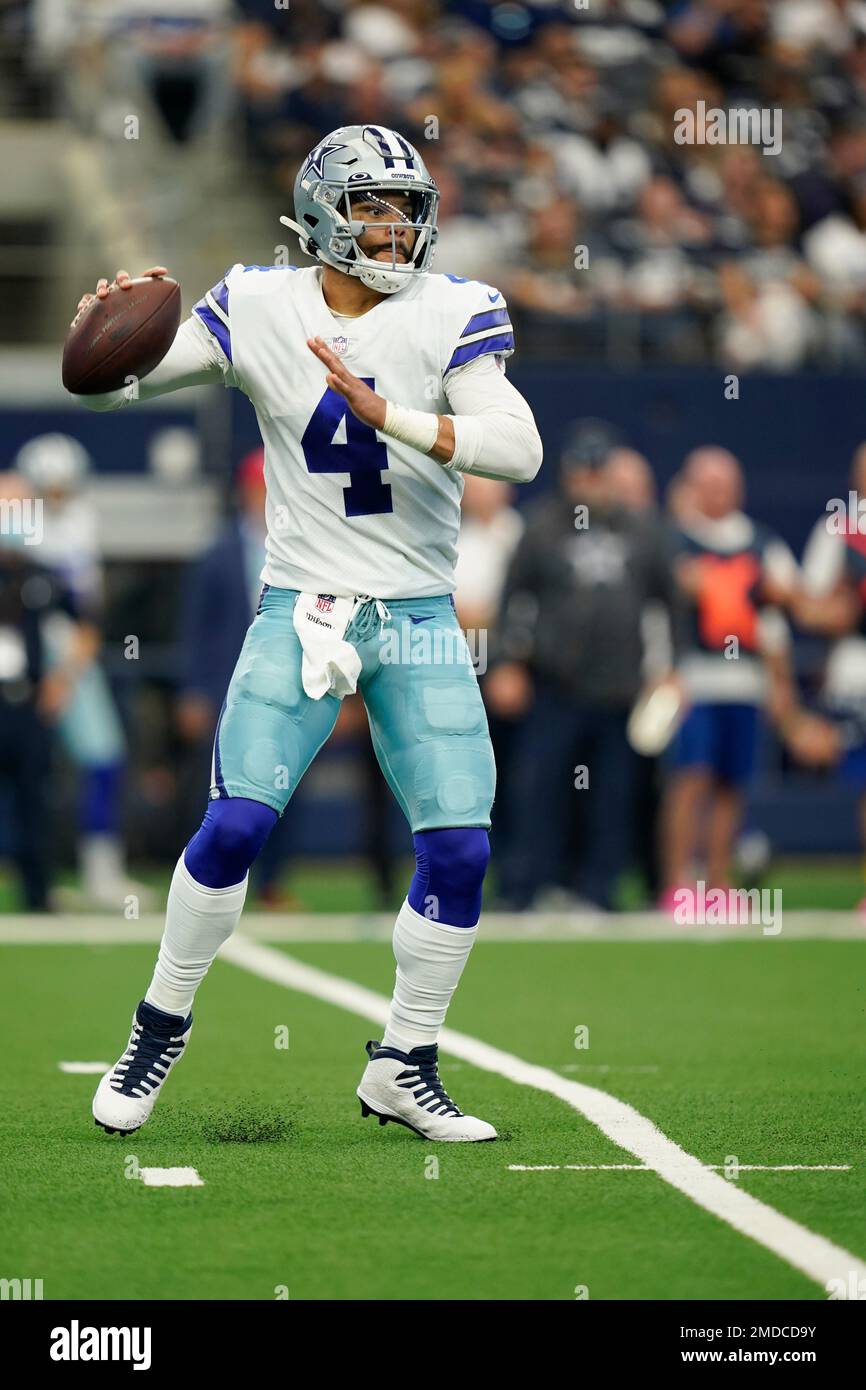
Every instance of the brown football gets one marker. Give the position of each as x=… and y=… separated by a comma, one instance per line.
x=125, y=335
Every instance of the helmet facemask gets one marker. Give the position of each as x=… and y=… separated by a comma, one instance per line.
x=343, y=250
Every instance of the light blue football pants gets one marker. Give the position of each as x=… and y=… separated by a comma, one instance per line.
x=427, y=719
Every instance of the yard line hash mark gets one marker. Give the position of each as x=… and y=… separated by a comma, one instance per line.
x=814, y=1255
x=170, y=1177
x=84, y=1068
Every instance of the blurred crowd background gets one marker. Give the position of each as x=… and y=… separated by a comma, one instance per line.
x=689, y=322
x=548, y=126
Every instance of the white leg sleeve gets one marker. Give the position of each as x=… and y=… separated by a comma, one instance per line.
x=197, y=922
x=430, y=959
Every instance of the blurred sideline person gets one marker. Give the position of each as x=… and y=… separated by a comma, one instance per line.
x=570, y=651
x=490, y=529
x=737, y=663
x=90, y=729
x=631, y=481
x=832, y=601
x=32, y=695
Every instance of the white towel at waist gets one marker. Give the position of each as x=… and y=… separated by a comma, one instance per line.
x=331, y=665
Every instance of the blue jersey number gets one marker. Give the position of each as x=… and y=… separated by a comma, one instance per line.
x=363, y=456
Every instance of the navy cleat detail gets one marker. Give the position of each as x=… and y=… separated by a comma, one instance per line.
x=128, y=1092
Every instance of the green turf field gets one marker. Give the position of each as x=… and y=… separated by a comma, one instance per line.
x=752, y=1049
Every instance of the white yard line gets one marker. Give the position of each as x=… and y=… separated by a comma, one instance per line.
x=73, y=929
x=85, y=1068
x=605, y=1067
x=645, y=1168
x=815, y=1256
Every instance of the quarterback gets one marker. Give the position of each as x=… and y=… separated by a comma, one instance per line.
x=376, y=384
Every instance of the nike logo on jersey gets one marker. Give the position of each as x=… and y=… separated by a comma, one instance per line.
x=425, y=619
x=493, y=297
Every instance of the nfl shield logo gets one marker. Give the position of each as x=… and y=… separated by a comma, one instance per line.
x=339, y=345
x=325, y=602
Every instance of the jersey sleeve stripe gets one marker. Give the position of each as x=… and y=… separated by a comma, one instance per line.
x=216, y=322
x=216, y=308
x=502, y=342
x=484, y=333
x=220, y=294
x=491, y=318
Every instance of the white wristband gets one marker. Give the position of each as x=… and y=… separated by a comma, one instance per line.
x=417, y=428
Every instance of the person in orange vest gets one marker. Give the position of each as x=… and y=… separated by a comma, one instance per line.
x=734, y=572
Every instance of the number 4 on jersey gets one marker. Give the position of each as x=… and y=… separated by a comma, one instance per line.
x=363, y=456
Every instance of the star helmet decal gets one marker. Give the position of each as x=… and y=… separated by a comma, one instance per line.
x=315, y=163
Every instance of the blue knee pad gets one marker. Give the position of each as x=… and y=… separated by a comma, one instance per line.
x=228, y=840
x=450, y=867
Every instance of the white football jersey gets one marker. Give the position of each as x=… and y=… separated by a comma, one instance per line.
x=349, y=510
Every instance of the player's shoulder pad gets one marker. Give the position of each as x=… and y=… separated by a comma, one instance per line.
x=457, y=290
x=215, y=307
x=478, y=320
x=260, y=279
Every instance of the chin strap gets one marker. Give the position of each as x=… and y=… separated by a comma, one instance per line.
x=304, y=235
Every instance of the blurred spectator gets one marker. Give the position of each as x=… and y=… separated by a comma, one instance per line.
x=833, y=602
x=659, y=276
x=546, y=281
x=56, y=468
x=605, y=168
x=631, y=481
x=570, y=650
x=553, y=132
x=224, y=580
x=490, y=530
x=835, y=250
x=736, y=663
x=769, y=291
x=32, y=697
x=723, y=37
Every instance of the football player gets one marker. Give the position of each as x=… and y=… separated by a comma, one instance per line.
x=376, y=384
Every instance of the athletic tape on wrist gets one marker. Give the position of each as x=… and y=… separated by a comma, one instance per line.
x=417, y=428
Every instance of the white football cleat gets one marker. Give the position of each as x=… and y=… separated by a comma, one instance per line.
x=405, y=1087
x=128, y=1092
